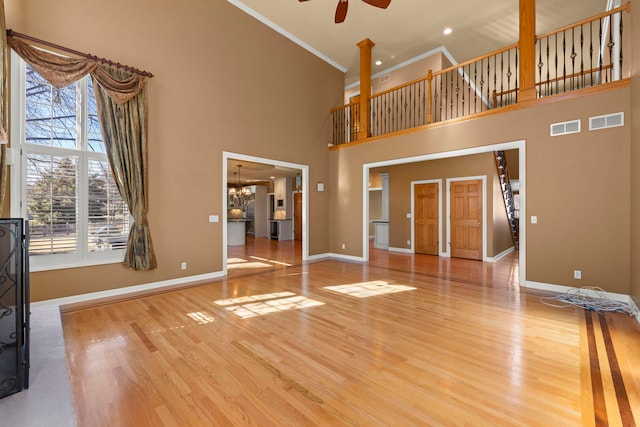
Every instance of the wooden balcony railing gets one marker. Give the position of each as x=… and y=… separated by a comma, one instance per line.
x=468, y=88
x=584, y=54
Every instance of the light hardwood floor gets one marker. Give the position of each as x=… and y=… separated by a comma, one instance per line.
x=404, y=340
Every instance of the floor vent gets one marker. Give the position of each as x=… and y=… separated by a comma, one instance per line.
x=565, y=128
x=608, y=121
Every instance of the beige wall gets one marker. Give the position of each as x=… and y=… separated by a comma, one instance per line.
x=513, y=165
x=635, y=155
x=225, y=71
x=223, y=82
x=578, y=185
x=375, y=209
x=400, y=178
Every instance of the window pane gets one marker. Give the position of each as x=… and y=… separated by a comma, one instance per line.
x=50, y=113
x=52, y=204
x=94, y=136
x=108, y=215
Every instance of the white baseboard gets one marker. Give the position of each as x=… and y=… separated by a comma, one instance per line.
x=130, y=291
x=401, y=250
x=500, y=255
x=635, y=308
x=318, y=257
x=350, y=258
x=564, y=289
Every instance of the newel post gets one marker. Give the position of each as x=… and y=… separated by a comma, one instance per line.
x=365, y=87
x=527, y=46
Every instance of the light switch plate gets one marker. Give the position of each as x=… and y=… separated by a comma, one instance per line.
x=214, y=218
x=534, y=219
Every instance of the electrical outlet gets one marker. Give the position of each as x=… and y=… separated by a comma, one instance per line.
x=344, y=246
x=577, y=274
x=183, y=266
x=408, y=242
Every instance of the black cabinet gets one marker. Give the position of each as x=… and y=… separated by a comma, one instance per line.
x=14, y=306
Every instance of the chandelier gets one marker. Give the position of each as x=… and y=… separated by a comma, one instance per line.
x=238, y=195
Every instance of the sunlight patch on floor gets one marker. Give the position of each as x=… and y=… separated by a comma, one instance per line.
x=271, y=261
x=243, y=265
x=273, y=306
x=253, y=298
x=235, y=263
x=369, y=289
x=201, y=317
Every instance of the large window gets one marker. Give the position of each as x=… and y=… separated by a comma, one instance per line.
x=62, y=179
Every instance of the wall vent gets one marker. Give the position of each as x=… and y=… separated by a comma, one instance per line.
x=607, y=121
x=384, y=78
x=565, y=128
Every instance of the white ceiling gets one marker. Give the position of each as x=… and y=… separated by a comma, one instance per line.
x=409, y=28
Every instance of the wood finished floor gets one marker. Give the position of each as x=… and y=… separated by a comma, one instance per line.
x=452, y=342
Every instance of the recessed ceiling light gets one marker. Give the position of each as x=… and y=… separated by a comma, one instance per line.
x=378, y=62
x=447, y=31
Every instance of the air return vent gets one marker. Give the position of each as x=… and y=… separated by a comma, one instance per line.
x=608, y=121
x=384, y=78
x=565, y=128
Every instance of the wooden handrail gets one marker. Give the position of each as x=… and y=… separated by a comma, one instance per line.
x=626, y=7
x=393, y=89
x=446, y=70
x=342, y=107
x=568, y=76
x=479, y=58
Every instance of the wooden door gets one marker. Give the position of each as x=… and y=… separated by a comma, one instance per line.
x=297, y=216
x=427, y=212
x=466, y=219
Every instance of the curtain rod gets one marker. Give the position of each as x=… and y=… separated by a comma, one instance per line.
x=11, y=33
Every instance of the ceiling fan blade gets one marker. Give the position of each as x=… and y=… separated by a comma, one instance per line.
x=341, y=11
x=382, y=4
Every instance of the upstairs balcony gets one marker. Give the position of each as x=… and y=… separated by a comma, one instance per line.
x=582, y=55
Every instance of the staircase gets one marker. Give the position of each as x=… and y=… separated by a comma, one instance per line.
x=507, y=195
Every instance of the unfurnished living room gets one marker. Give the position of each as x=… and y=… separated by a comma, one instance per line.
x=319, y=212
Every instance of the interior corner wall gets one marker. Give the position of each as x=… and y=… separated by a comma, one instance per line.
x=582, y=223
x=223, y=82
x=635, y=153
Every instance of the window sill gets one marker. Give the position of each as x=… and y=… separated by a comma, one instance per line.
x=43, y=266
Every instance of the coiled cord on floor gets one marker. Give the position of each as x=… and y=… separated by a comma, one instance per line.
x=590, y=298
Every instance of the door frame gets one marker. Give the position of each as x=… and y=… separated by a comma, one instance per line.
x=519, y=145
x=482, y=178
x=226, y=155
x=413, y=213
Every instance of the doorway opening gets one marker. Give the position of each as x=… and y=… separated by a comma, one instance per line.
x=518, y=146
x=273, y=192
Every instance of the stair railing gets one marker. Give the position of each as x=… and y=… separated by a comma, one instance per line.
x=507, y=196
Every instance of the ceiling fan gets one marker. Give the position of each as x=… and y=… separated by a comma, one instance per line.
x=343, y=5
